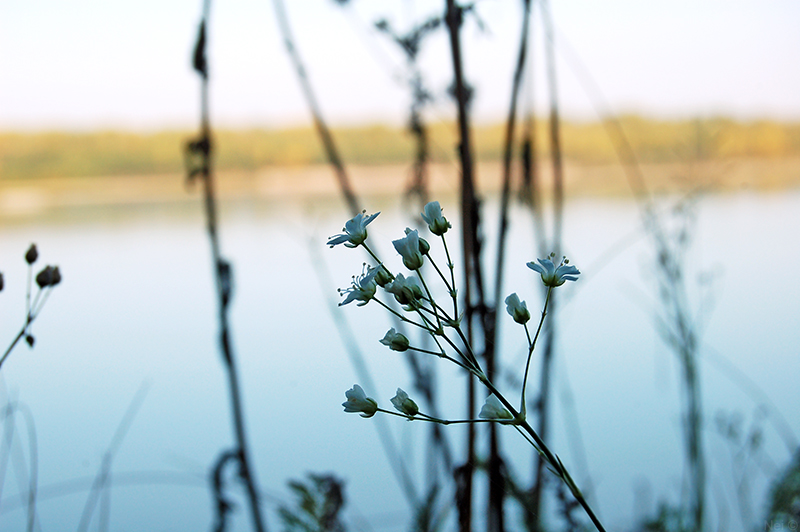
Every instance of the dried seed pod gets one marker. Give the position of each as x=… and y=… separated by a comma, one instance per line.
x=45, y=277
x=32, y=254
x=56, y=276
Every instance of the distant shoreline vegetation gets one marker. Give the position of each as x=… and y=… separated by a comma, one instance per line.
x=110, y=153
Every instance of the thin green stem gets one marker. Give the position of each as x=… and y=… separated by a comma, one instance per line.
x=531, y=346
x=430, y=298
x=441, y=355
x=441, y=275
x=419, y=416
x=431, y=328
x=551, y=458
x=471, y=358
x=400, y=316
x=471, y=366
x=451, y=266
x=527, y=438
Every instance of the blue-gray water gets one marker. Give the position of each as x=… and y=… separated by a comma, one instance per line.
x=136, y=308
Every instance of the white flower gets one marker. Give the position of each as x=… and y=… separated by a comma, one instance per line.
x=405, y=405
x=517, y=309
x=406, y=291
x=494, y=409
x=408, y=248
x=357, y=401
x=437, y=223
x=424, y=247
x=355, y=231
x=553, y=275
x=395, y=341
x=362, y=289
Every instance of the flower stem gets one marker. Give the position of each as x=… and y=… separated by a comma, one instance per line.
x=441, y=275
x=400, y=316
x=551, y=458
x=531, y=346
x=430, y=298
x=442, y=354
x=452, y=284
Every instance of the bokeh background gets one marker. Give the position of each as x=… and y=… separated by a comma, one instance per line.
x=97, y=100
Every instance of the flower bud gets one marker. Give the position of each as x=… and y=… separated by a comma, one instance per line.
x=56, y=277
x=409, y=249
x=383, y=277
x=406, y=291
x=424, y=247
x=405, y=405
x=357, y=401
x=32, y=254
x=395, y=341
x=437, y=223
x=517, y=309
x=45, y=277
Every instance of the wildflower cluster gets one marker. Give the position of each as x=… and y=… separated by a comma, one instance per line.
x=442, y=323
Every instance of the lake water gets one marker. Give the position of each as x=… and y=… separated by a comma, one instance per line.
x=136, y=309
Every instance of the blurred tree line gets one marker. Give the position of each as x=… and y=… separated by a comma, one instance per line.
x=62, y=154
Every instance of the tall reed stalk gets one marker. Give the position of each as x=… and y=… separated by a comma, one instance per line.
x=202, y=148
x=471, y=258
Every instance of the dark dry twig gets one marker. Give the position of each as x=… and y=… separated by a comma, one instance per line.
x=201, y=149
x=469, y=217
x=319, y=123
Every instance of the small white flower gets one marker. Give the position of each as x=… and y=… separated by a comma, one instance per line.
x=405, y=405
x=355, y=231
x=395, y=341
x=357, y=401
x=437, y=223
x=406, y=291
x=517, y=309
x=362, y=289
x=424, y=247
x=553, y=275
x=408, y=248
x=494, y=409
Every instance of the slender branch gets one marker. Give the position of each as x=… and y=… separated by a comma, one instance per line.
x=508, y=150
x=453, y=18
x=319, y=123
x=531, y=347
x=223, y=275
x=551, y=458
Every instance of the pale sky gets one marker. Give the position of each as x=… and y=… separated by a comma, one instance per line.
x=89, y=64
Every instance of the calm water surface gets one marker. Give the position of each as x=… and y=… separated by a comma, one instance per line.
x=136, y=309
